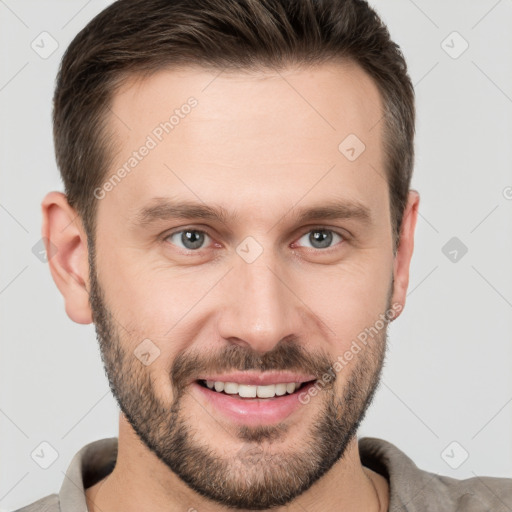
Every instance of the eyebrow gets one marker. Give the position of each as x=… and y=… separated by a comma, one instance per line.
x=163, y=209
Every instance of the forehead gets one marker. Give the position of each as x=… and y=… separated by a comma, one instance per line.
x=236, y=138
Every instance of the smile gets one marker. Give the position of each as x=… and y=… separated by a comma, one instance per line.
x=249, y=391
x=249, y=404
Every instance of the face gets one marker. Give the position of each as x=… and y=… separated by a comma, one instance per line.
x=245, y=247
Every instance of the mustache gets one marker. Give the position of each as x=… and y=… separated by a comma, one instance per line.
x=286, y=356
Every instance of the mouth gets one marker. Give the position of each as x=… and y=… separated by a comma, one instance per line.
x=255, y=392
x=265, y=405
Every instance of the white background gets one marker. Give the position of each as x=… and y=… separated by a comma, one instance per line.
x=448, y=373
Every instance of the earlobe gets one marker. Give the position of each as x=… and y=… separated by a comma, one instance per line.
x=66, y=246
x=405, y=250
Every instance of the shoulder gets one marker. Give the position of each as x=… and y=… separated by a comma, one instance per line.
x=417, y=490
x=47, y=504
x=477, y=493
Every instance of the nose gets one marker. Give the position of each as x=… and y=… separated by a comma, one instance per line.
x=259, y=307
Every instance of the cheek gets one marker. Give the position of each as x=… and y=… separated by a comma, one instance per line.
x=348, y=299
x=147, y=298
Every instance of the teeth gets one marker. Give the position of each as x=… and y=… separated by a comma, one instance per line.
x=247, y=391
x=290, y=388
x=267, y=391
x=231, y=388
x=280, y=389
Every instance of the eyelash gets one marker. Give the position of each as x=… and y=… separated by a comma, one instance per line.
x=343, y=237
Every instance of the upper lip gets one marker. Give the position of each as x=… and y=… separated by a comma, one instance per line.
x=259, y=379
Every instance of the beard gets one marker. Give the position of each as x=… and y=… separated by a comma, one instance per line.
x=257, y=476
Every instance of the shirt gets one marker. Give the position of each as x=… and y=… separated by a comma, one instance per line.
x=411, y=489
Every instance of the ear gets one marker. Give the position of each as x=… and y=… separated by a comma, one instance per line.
x=405, y=249
x=66, y=249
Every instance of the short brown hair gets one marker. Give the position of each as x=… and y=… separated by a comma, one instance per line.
x=143, y=36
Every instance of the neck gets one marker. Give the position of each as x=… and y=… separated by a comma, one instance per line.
x=141, y=481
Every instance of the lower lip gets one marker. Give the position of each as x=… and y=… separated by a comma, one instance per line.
x=253, y=411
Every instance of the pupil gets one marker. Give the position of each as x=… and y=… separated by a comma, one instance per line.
x=324, y=237
x=192, y=239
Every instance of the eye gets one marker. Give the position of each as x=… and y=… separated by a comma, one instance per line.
x=321, y=238
x=190, y=239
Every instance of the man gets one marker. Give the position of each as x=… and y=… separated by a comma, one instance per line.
x=238, y=224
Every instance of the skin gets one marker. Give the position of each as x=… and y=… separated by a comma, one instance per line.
x=262, y=145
